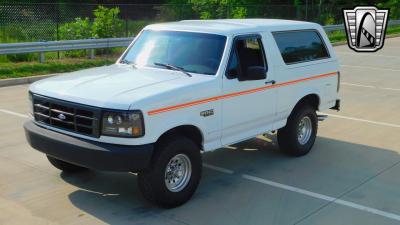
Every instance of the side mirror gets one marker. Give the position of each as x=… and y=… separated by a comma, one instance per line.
x=255, y=73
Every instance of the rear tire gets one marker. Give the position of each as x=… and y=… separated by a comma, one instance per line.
x=298, y=136
x=174, y=174
x=65, y=166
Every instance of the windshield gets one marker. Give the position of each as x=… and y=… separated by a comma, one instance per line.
x=192, y=52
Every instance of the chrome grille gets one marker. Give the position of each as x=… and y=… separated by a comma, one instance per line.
x=66, y=115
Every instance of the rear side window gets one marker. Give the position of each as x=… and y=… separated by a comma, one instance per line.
x=300, y=46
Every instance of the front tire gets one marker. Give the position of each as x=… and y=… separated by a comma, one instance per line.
x=65, y=166
x=174, y=174
x=298, y=136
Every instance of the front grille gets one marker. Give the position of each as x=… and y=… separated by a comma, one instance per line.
x=66, y=115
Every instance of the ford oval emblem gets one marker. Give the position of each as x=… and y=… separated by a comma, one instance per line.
x=61, y=116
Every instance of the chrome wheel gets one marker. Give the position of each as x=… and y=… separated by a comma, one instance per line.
x=178, y=172
x=304, y=130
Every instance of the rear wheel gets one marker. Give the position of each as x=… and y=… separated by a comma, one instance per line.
x=298, y=136
x=65, y=166
x=174, y=174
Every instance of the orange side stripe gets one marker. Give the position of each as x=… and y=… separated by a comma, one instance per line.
x=234, y=94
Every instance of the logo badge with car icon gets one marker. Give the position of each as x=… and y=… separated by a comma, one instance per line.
x=365, y=28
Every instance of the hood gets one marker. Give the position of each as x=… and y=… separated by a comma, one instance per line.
x=103, y=86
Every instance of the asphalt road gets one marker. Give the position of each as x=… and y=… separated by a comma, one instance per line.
x=352, y=175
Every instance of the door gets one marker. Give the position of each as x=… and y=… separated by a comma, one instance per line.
x=248, y=105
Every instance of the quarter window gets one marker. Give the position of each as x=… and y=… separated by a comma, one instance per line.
x=300, y=46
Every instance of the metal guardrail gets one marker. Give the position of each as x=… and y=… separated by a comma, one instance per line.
x=53, y=46
x=331, y=28
x=91, y=44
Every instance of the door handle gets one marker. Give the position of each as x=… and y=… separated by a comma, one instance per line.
x=270, y=82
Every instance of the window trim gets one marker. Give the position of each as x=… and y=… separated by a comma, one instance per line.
x=233, y=51
x=302, y=30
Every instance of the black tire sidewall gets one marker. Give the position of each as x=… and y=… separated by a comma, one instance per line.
x=310, y=112
x=153, y=179
x=287, y=136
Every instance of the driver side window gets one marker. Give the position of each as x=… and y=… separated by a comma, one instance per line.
x=246, y=52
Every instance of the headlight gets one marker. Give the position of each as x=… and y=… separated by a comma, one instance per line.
x=123, y=124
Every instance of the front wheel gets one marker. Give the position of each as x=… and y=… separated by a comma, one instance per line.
x=298, y=136
x=174, y=174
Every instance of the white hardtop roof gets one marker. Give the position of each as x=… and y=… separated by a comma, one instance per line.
x=233, y=26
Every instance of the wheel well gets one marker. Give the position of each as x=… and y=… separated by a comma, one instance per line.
x=188, y=131
x=311, y=99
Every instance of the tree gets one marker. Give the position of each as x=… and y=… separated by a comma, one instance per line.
x=394, y=6
x=106, y=23
x=78, y=29
x=214, y=9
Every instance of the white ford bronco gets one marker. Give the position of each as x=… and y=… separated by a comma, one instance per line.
x=183, y=88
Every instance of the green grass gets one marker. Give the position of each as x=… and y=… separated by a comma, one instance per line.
x=338, y=36
x=24, y=69
x=393, y=30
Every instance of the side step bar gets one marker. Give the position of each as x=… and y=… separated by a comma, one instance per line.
x=337, y=105
x=319, y=117
x=322, y=117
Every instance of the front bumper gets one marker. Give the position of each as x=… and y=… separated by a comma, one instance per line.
x=86, y=153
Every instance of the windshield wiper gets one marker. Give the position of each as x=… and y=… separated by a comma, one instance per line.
x=127, y=62
x=172, y=67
